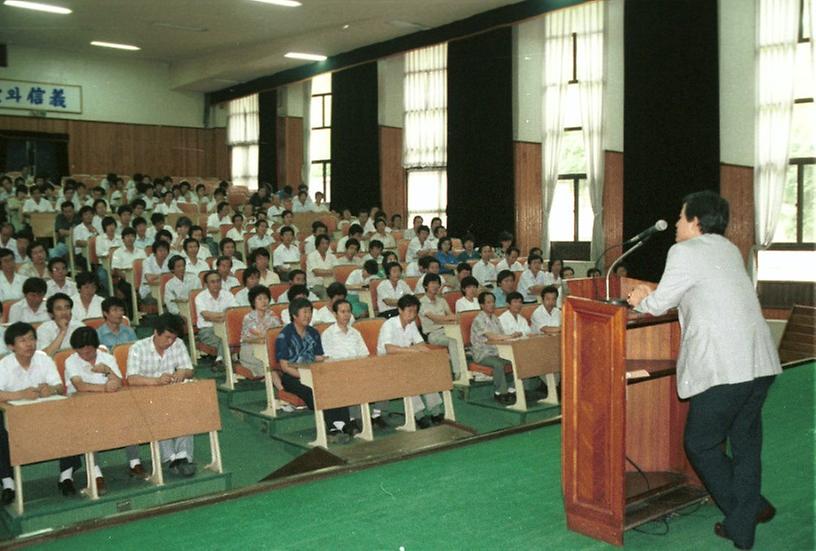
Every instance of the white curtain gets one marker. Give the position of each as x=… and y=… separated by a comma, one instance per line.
x=556, y=74
x=243, y=127
x=588, y=24
x=306, y=169
x=426, y=107
x=777, y=34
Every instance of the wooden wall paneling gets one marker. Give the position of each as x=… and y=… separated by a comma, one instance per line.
x=290, y=150
x=393, y=184
x=737, y=186
x=101, y=147
x=529, y=210
x=613, y=203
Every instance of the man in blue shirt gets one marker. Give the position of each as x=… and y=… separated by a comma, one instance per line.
x=505, y=284
x=299, y=343
x=114, y=331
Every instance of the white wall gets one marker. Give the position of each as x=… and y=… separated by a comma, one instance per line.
x=290, y=100
x=390, y=78
x=528, y=53
x=115, y=87
x=737, y=38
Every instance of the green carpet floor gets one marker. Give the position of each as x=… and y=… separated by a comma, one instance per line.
x=501, y=494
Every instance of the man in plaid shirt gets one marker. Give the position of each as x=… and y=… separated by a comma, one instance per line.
x=163, y=360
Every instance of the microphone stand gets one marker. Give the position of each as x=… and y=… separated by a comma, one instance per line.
x=620, y=301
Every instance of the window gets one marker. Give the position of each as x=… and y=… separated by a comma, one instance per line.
x=571, y=217
x=242, y=137
x=320, y=136
x=425, y=153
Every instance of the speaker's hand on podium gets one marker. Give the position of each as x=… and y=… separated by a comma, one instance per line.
x=638, y=294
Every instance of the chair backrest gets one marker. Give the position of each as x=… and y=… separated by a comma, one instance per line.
x=452, y=297
x=342, y=272
x=372, y=287
x=137, y=271
x=193, y=312
x=59, y=359
x=7, y=308
x=330, y=221
x=278, y=309
x=397, y=235
x=224, y=228
x=527, y=310
x=190, y=209
x=517, y=275
x=239, y=275
x=120, y=352
x=94, y=323
x=235, y=319
x=42, y=224
x=271, y=335
x=162, y=284
x=370, y=330
x=277, y=289
x=237, y=289
x=465, y=323
x=92, y=257
x=411, y=281
x=402, y=249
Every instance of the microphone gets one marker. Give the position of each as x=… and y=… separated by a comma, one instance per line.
x=660, y=225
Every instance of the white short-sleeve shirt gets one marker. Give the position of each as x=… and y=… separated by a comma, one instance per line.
x=284, y=254
x=48, y=331
x=465, y=305
x=11, y=290
x=77, y=367
x=340, y=345
x=387, y=290
x=13, y=377
x=542, y=318
x=21, y=311
x=94, y=309
x=514, y=324
x=392, y=332
x=205, y=302
x=528, y=280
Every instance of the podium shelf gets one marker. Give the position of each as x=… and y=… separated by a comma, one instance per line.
x=655, y=368
x=657, y=495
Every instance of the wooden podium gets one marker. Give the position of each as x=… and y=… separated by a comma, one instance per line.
x=623, y=462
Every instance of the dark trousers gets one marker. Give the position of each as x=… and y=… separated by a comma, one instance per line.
x=293, y=385
x=5, y=460
x=732, y=413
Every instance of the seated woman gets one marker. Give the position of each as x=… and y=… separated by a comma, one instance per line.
x=55, y=335
x=87, y=304
x=446, y=258
x=37, y=266
x=251, y=277
x=90, y=369
x=254, y=328
x=486, y=326
x=468, y=301
x=262, y=237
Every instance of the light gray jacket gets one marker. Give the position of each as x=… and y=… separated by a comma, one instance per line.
x=725, y=339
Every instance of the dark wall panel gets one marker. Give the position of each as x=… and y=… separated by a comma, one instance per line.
x=355, y=171
x=267, y=138
x=480, y=135
x=671, y=117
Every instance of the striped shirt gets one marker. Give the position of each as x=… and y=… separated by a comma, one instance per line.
x=144, y=359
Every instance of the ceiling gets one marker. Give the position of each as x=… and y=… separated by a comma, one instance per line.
x=212, y=44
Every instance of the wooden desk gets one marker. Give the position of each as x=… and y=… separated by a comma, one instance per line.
x=44, y=431
x=532, y=356
x=362, y=381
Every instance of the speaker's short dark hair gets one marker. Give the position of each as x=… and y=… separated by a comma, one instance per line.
x=710, y=209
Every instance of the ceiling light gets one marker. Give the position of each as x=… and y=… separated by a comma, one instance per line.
x=114, y=45
x=285, y=3
x=310, y=57
x=37, y=6
x=346, y=27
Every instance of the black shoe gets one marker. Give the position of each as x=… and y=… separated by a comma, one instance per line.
x=437, y=419
x=500, y=398
x=182, y=467
x=423, y=423
x=379, y=422
x=767, y=514
x=66, y=487
x=351, y=428
x=8, y=496
x=337, y=436
x=719, y=529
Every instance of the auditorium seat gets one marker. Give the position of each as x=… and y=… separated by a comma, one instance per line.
x=465, y=323
x=59, y=359
x=277, y=289
x=370, y=331
x=120, y=352
x=234, y=322
x=7, y=308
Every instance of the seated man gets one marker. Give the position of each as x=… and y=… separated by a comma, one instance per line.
x=296, y=277
x=512, y=322
x=11, y=283
x=262, y=237
x=236, y=232
x=28, y=374
x=104, y=243
x=547, y=317
x=320, y=266
x=124, y=258
x=420, y=245
x=505, y=284
x=162, y=359
x=286, y=254
x=32, y=308
x=399, y=335
x=180, y=285
x=375, y=251
x=87, y=304
x=227, y=248
x=299, y=343
x=487, y=326
x=114, y=331
x=533, y=279
x=89, y=369
x=484, y=271
x=355, y=232
x=391, y=290
x=318, y=228
x=510, y=261
x=463, y=270
x=55, y=335
x=336, y=292
x=211, y=306
x=59, y=282
x=194, y=263
x=434, y=310
x=260, y=260
x=223, y=265
x=153, y=267
x=349, y=256
x=251, y=277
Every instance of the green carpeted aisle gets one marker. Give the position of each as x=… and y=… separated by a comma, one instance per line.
x=504, y=493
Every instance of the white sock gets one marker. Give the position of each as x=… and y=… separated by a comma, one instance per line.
x=67, y=474
x=339, y=425
x=219, y=358
x=511, y=390
x=375, y=413
x=172, y=457
x=134, y=462
x=181, y=455
x=8, y=483
x=97, y=471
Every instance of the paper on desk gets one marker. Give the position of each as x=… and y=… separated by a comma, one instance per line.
x=637, y=374
x=38, y=400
